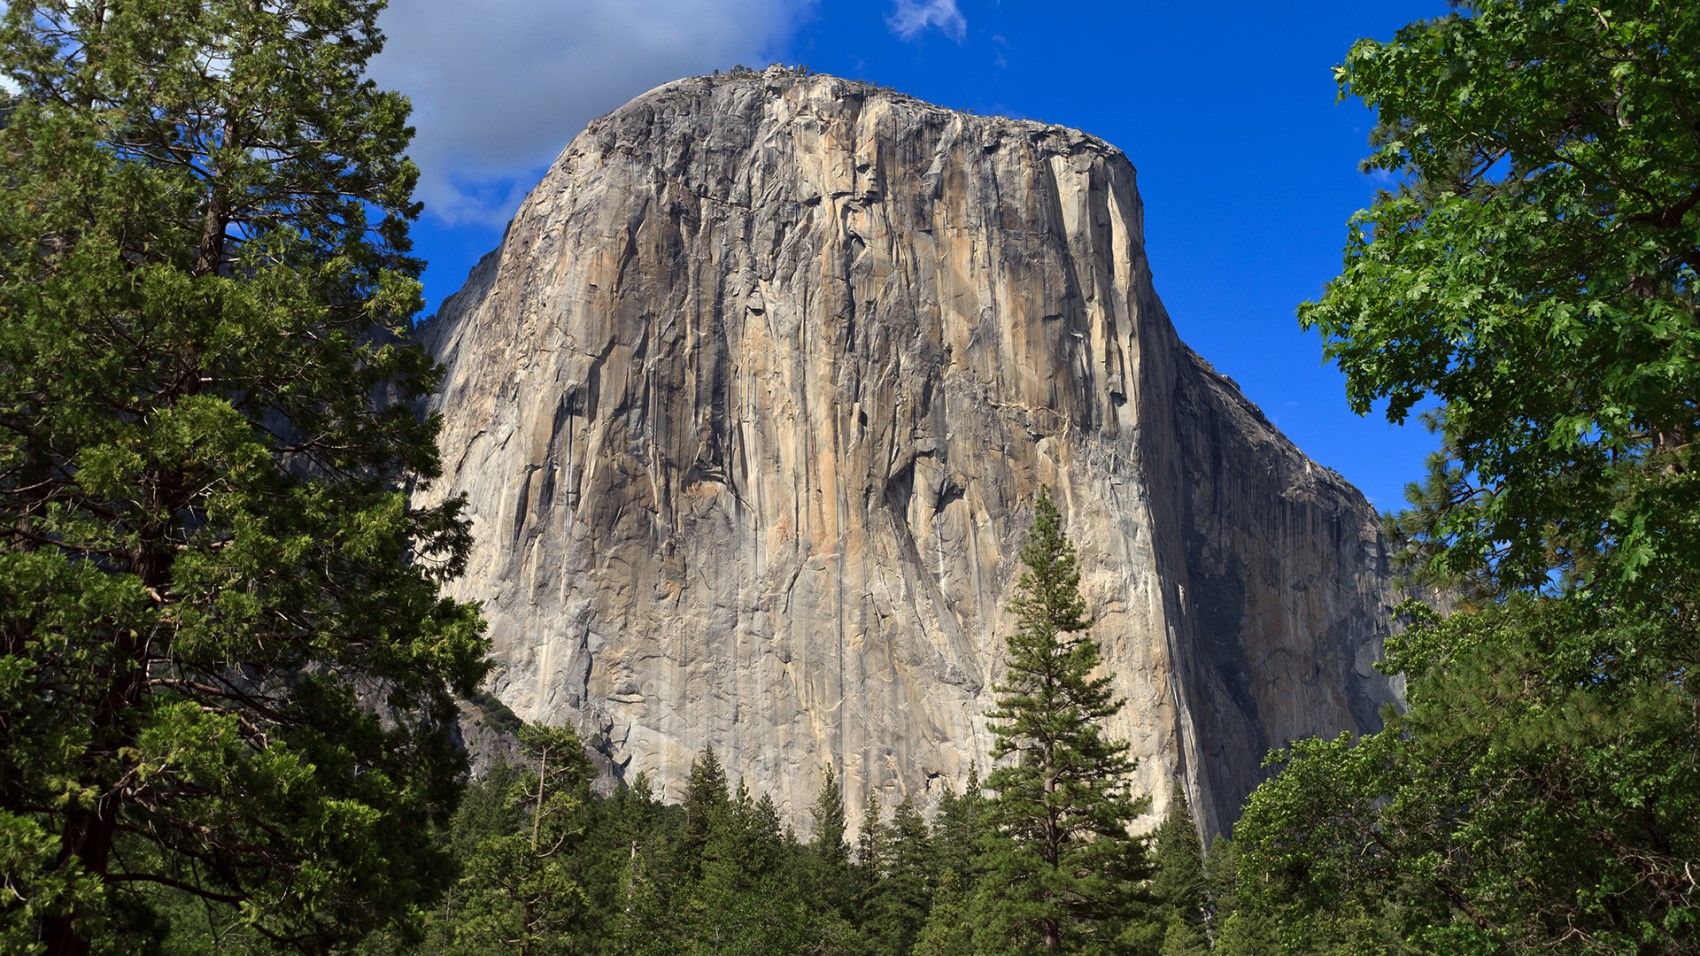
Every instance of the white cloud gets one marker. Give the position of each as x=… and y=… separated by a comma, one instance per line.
x=499, y=86
x=913, y=16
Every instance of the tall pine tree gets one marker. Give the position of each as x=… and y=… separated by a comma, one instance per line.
x=706, y=795
x=211, y=579
x=956, y=830
x=1179, y=884
x=1061, y=870
x=644, y=918
x=902, y=889
x=829, y=854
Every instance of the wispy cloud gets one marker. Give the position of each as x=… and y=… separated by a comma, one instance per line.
x=913, y=16
x=499, y=88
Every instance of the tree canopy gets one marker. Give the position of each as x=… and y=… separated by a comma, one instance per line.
x=225, y=666
x=1534, y=276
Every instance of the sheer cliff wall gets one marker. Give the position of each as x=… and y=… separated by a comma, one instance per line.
x=751, y=406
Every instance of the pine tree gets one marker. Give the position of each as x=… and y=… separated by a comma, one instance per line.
x=522, y=891
x=736, y=849
x=1181, y=938
x=870, y=859
x=870, y=840
x=956, y=831
x=1221, y=874
x=211, y=578
x=1061, y=868
x=902, y=888
x=486, y=811
x=829, y=856
x=704, y=800
x=947, y=930
x=749, y=899
x=828, y=813
x=1179, y=883
x=649, y=874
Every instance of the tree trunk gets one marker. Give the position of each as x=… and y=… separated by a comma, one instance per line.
x=89, y=833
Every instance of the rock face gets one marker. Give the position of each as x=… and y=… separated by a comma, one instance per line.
x=751, y=407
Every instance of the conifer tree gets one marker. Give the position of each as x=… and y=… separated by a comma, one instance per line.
x=830, y=820
x=947, y=930
x=902, y=889
x=956, y=831
x=749, y=899
x=644, y=919
x=704, y=800
x=522, y=891
x=211, y=577
x=1179, y=884
x=736, y=849
x=1061, y=870
x=828, y=813
x=870, y=840
x=870, y=859
x=829, y=854
x=1231, y=931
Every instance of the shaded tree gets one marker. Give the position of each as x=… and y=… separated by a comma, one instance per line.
x=829, y=854
x=1179, y=883
x=752, y=897
x=957, y=829
x=647, y=873
x=948, y=929
x=225, y=666
x=704, y=800
x=521, y=890
x=902, y=882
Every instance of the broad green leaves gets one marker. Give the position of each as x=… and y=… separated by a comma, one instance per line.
x=1537, y=276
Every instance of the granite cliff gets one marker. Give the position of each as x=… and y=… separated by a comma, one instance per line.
x=750, y=408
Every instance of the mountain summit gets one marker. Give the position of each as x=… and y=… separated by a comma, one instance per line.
x=751, y=408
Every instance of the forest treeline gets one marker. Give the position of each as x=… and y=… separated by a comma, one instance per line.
x=718, y=871
x=229, y=672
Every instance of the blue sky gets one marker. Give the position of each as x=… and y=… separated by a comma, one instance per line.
x=1247, y=163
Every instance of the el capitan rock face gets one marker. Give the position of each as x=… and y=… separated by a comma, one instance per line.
x=751, y=407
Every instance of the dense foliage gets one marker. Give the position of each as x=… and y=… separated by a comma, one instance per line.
x=1535, y=278
x=558, y=869
x=225, y=668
